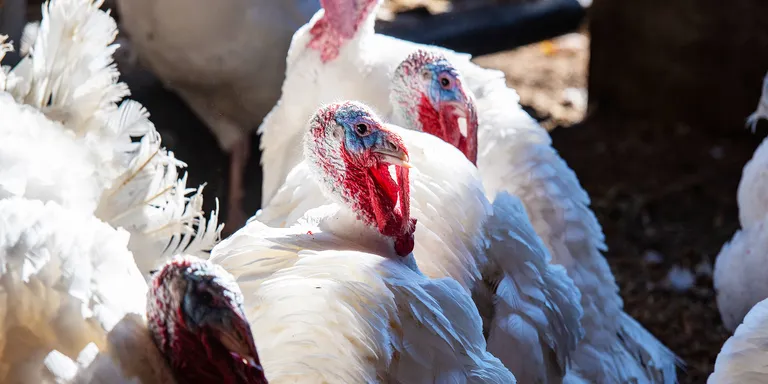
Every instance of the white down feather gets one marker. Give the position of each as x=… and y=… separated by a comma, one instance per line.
x=66, y=139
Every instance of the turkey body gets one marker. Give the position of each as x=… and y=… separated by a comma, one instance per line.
x=339, y=295
x=327, y=304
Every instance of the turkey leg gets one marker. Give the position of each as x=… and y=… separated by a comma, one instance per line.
x=237, y=163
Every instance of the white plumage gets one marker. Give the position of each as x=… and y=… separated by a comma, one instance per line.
x=740, y=267
x=514, y=155
x=351, y=316
x=65, y=139
x=742, y=358
x=67, y=281
x=528, y=306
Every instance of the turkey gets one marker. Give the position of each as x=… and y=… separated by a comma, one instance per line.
x=515, y=155
x=742, y=358
x=65, y=139
x=337, y=55
x=740, y=266
x=528, y=306
x=70, y=290
x=225, y=59
x=338, y=297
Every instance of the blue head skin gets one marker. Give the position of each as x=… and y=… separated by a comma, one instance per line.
x=442, y=83
x=428, y=95
x=366, y=139
x=350, y=150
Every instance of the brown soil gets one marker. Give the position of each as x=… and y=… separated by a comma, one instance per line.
x=543, y=74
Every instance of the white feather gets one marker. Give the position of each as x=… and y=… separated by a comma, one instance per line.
x=67, y=279
x=742, y=358
x=69, y=142
x=741, y=265
x=739, y=270
x=324, y=309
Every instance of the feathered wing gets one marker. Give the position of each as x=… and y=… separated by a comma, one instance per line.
x=69, y=76
x=537, y=305
x=752, y=195
x=742, y=358
x=515, y=155
x=382, y=320
x=739, y=273
x=149, y=199
x=67, y=279
x=299, y=194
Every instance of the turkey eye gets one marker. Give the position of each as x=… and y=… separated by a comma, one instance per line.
x=445, y=83
x=206, y=297
x=362, y=129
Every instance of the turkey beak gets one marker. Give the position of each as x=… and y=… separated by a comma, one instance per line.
x=465, y=113
x=390, y=149
x=236, y=336
x=458, y=116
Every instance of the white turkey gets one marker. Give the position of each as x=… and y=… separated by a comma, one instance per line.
x=515, y=155
x=337, y=55
x=226, y=59
x=528, y=306
x=740, y=266
x=63, y=138
x=71, y=291
x=742, y=358
x=338, y=296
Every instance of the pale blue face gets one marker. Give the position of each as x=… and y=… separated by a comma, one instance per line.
x=442, y=83
x=361, y=131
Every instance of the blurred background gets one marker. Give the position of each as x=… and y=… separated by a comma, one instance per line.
x=645, y=99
